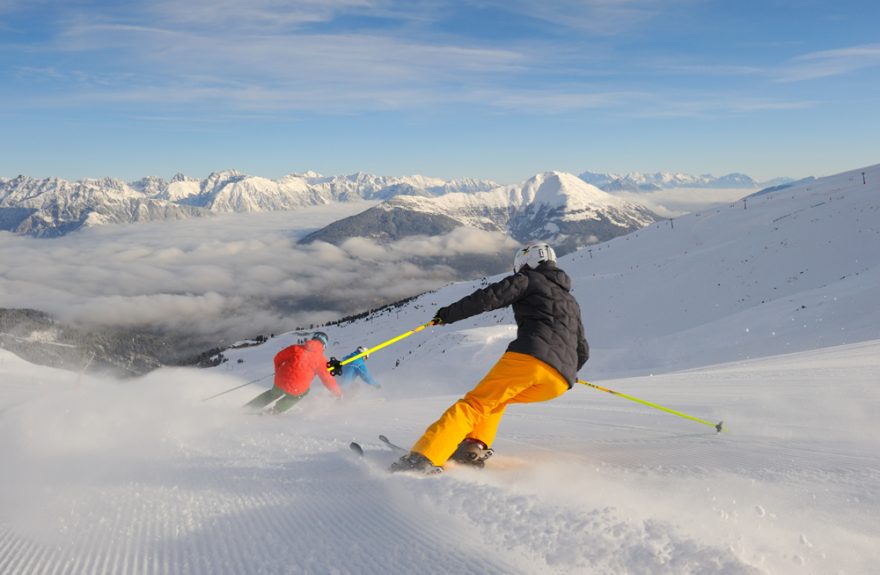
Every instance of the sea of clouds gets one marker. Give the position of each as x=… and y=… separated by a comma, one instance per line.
x=231, y=275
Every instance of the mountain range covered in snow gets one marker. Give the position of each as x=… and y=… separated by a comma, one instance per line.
x=641, y=182
x=52, y=207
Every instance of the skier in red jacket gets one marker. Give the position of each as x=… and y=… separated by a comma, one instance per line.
x=295, y=368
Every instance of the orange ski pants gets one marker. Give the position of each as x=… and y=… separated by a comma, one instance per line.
x=516, y=378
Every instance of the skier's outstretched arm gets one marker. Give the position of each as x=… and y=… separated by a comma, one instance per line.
x=496, y=296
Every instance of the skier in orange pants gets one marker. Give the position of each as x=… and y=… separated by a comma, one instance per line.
x=539, y=365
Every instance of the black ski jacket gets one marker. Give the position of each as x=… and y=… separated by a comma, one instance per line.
x=548, y=318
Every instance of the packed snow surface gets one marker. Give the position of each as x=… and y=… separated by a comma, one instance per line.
x=147, y=478
x=761, y=314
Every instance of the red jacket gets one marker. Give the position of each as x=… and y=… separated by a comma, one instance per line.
x=296, y=366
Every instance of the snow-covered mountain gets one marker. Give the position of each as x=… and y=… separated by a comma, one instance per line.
x=760, y=313
x=640, y=182
x=52, y=207
x=553, y=206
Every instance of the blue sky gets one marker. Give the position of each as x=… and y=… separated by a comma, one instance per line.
x=497, y=89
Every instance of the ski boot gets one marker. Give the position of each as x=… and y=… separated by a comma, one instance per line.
x=413, y=461
x=472, y=452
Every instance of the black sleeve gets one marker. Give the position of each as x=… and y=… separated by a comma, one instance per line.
x=495, y=296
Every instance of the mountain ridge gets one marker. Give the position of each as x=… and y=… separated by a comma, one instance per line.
x=645, y=182
x=52, y=207
x=552, y=206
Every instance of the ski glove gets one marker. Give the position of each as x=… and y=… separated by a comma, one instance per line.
x=335, y=366
x=439, y=317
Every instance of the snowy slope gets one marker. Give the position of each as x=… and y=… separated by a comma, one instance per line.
x=146, y=477
x=794, y=270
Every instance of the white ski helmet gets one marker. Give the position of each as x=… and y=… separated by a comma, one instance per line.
x=362, y=349
x=532, y=256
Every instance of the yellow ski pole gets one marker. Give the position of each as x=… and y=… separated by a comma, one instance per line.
x=381, y=345
x=717, y=426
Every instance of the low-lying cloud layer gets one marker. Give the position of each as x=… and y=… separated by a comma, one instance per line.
x=674, y=202
x=230, y=275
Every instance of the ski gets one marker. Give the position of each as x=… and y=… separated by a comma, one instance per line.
x=387, y=442
x=428, y=470
x=358, y=448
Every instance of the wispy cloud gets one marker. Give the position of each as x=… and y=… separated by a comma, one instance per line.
x=295, y=70
x=336, y=56
x=702, y=69
x=260, y=14
x=270, y=55
x=11, y=5
x=693, y=104
x=830, y=63
x=561, y=100
x=600, y=17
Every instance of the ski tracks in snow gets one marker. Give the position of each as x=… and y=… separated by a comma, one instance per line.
x=320, y=513
x=328, y=511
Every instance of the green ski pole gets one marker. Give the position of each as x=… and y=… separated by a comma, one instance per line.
x=237, y=387
x=717, y=426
